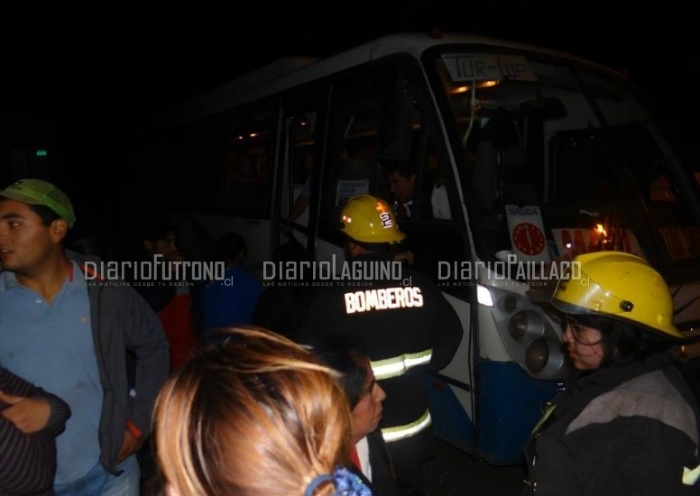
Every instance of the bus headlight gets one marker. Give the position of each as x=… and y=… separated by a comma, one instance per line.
x=544, y=357
x=536, y=356
x=523, y=323
x=530, y=336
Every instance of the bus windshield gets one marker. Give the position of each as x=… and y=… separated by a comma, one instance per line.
x=575, y=141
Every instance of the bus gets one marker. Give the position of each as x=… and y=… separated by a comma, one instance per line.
x=520, y=158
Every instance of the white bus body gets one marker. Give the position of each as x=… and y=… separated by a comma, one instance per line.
x=523, y=157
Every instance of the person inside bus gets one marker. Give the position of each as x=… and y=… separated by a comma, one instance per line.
x=301, y=202
x=401, y=179
x=435, y=183
x=245, y=179
x=627, y=421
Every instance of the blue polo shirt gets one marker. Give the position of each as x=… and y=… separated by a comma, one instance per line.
x=52, y=346
x=231, y=301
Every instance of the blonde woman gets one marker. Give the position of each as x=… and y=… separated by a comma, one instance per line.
x=257, y=415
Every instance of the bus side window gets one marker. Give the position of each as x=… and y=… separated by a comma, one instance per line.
x=352, y=167
x=298, y=169
x=244, y=177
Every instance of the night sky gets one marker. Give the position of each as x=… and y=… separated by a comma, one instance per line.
x=90, y=80
x=113, y=66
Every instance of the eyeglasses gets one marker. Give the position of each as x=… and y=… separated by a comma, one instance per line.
x=575, y=326
x=577, y=331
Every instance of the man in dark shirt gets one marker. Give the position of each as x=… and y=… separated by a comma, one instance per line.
x=30, y=421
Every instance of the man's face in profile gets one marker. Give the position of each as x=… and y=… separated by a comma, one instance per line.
x=401, y=187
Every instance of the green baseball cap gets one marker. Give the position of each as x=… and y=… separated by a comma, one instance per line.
x=38, y=192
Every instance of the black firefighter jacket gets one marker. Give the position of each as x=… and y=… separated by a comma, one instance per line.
x=622, y=430
x=390, y=319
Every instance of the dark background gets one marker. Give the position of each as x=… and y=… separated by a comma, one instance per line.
x=84, y=83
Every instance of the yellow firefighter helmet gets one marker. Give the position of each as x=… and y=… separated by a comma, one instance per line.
x=368, y=219
x=618, y=285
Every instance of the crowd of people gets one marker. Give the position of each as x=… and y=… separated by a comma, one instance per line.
x=97, y=374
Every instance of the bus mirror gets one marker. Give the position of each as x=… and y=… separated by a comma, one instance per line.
x=547, y=108
x=395, y=119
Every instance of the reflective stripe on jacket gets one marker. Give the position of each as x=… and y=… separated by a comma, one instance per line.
x=395, y=366
x=407, y=430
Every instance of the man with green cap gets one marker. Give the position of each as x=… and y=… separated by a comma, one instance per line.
x=68, y=330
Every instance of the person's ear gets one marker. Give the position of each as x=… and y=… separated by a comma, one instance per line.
x=354, y=249
x=58, y=230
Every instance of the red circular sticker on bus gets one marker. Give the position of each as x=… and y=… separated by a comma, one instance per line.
x=528, y=238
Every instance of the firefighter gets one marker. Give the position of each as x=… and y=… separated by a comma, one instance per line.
x=401, y=319
x=627, y=423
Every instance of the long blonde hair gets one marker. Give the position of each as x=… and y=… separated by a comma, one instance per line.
x=258, y=415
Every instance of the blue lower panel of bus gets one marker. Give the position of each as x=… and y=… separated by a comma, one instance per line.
x=510, y=404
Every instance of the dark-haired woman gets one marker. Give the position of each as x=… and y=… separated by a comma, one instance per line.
x=627, y=422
